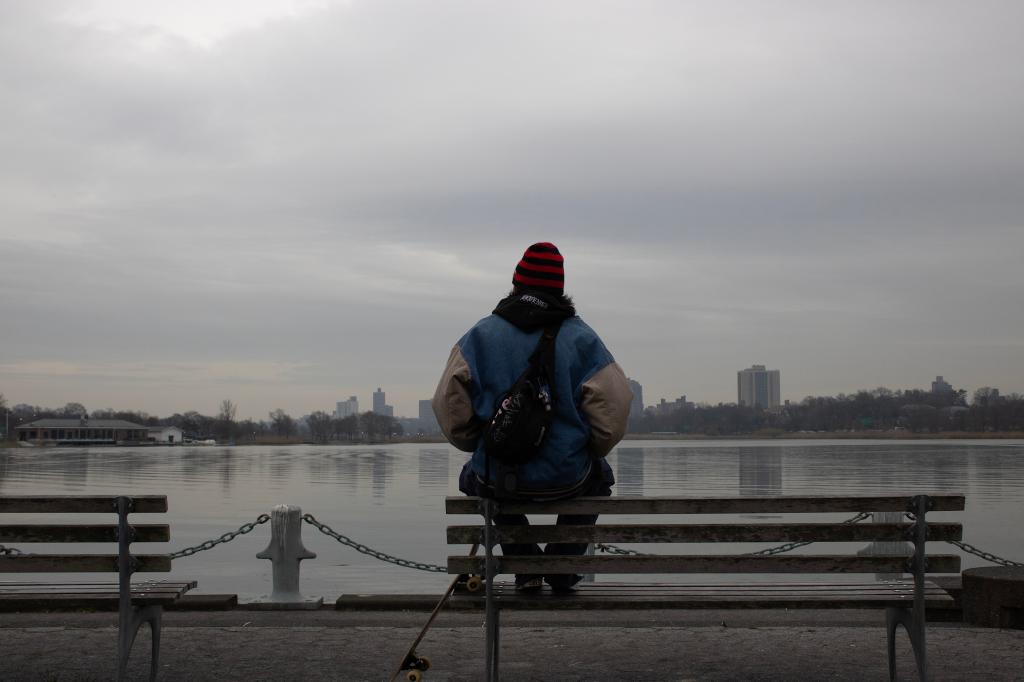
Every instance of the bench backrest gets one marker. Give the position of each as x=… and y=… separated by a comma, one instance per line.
x=916, y=531
x=121, y=532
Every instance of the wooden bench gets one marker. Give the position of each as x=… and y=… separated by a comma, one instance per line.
x=137, y=603
x=905, y=600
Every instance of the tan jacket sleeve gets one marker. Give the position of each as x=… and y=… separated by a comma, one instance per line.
x=453, y=404
x=605, y=402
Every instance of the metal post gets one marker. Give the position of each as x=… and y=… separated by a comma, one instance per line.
x=124, y=587
x=922, y=503
x=491, y=610
x=285, y=551
x=913, y=619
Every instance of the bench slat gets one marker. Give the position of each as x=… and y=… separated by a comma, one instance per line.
x=646, y=596
x=46, y=588
x=81, y=533
x=803, y=563
x=637, y=533
x=81, y=563
x=78, y=504
x=708, y=505
x=754, y=588
x=92, y=596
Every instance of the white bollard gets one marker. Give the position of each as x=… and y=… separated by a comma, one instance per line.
x=285, y=551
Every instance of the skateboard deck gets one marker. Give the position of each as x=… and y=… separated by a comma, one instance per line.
x=412, y=663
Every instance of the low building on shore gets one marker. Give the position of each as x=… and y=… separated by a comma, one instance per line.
x=81, y=431
x=165, y=435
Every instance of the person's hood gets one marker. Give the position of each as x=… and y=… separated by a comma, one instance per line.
x=531, y=309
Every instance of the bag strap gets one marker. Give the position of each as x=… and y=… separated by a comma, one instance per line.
x=544, y=354
x=542, y=358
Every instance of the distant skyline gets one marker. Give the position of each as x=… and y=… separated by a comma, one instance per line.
x=288, y=202
x=418, y=412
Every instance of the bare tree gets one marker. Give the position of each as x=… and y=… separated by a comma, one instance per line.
x=320, y=426
x=283, y=424
x=226, y=419
x=347, y=427
x=72, y=410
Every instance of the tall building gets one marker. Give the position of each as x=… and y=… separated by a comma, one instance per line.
x=758, y=387
x=940, y=385
x=636, y=408
x=428, y=421
x=347, y=408
x=379, y=407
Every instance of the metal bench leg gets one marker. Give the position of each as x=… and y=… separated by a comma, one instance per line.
x=491, y=607
x=913, y=619
x=155, y=626
x=128, y=630
x=496, y=646
x=892, y=620
x=895, y=617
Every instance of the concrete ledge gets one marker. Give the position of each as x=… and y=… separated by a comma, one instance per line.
x=308, y=604
x=205, y=602
x=994, y=596
x=387, y=602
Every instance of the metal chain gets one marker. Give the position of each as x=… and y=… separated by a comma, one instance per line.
x=771, y=551
x=978, y=552
x=612, y=549
x=369, y=551
x=600, y=546
x=987, y=556
x=227, y=537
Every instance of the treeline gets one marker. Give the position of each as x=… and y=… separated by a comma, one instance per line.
x=879, y=410
x=320, y=427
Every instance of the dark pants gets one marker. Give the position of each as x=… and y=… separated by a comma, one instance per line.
x=598, y=485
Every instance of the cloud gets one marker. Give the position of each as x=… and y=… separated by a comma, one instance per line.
x=827, y=189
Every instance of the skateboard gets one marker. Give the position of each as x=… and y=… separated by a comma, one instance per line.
x=412, y=663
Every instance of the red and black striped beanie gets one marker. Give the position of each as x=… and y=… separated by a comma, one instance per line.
x=541, y=266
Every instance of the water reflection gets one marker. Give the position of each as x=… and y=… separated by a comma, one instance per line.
x=629, y=472
x=760, y=471
x=887, y=547
x=433, y=468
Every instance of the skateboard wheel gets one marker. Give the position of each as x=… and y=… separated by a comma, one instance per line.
x=414, y=676
x=424, y=663
x=474, y=583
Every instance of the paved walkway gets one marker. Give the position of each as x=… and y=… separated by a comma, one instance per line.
x=630, y=645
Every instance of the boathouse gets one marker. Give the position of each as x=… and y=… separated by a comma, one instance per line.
x=82, y=431
x=168, y=435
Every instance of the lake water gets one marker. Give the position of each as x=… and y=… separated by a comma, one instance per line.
x=390, y=497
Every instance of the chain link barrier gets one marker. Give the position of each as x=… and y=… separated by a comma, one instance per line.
x=987, y=556
x=9, y=551
x=369, y=551
x=771, y=551
x=612, y=549
x=977, y=551
x=434, y=568
x=226, y=537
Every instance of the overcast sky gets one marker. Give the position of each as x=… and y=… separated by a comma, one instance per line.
x=285, y=203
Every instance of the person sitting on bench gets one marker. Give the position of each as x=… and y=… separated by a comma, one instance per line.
x=589, y=411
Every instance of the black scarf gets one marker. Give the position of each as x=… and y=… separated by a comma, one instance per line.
x=532, y=309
